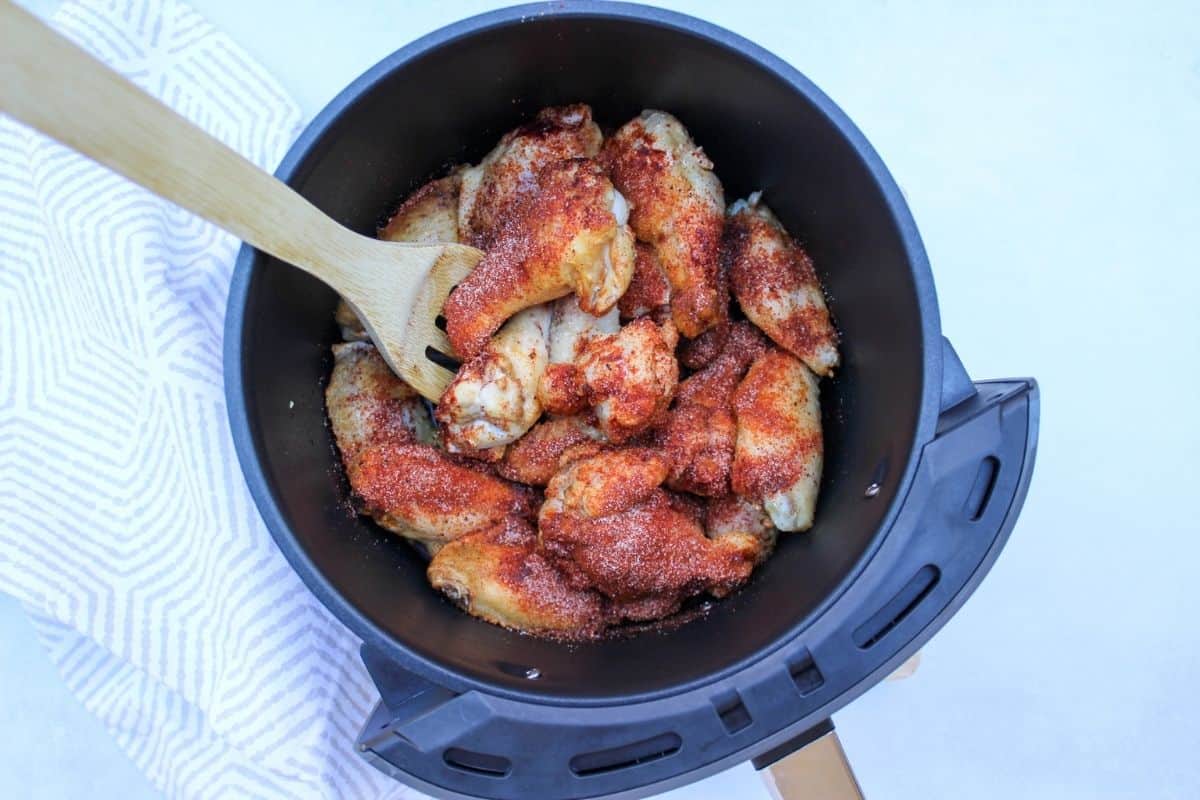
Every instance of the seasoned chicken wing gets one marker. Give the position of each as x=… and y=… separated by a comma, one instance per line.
x=778, y=457
x=649, y=292
x=418, y=489
x=627, y=376
x=630, y=377
x=678, y=206
x=568, y=235
x=776, y=286
x=497, y=574
x=367, y=403
x=608, y=525
x=699, y=432
x=561, y=390
x=508, y=173
x=493, y=400
x=534, y=458
x=430, y=214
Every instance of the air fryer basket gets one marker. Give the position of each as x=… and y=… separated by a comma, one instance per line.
x=925, y=471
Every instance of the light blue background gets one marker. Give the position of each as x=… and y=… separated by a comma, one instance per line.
x=1049, y=153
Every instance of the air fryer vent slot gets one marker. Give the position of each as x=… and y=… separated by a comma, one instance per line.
x=625, y=756
x=895, y=610
x=805, y=674
x=732, y=711
x=981, y=489
x=477, y=763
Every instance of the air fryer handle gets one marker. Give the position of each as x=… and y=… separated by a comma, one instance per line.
x=969, y=487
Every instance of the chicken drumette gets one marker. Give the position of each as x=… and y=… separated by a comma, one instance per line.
x=493, y=399
x=626, y=377
x=775, y=284
x=630, y=377
x=678, y=206
x=567, y=235
x=608, y=525
x=571, y=328
x=509, y=172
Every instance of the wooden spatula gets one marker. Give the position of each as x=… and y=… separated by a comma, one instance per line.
x=396, y=289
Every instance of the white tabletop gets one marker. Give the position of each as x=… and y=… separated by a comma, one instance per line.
x=1050, y=158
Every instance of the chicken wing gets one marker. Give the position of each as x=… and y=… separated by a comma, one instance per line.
x=534, y=458
x=493, y=400
x=367, y=403
x=382, y=429
x=776, y=286
x=778, y=457
x=649, y=292
x=430, y=214
x=568, y=235
x=678, y=207
x=417, y=489
x=699, y=432
x=498, y=575
x=626, y=375
x=608, y=525
x=561, y=390
x=508, y=173
x=630, y=377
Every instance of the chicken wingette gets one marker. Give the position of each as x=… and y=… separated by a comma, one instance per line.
x=649, y=292
x=776, y=286
x=778, y=456
x=367, y=403
x=699, y=431
x=419, y=489
x=497, y=574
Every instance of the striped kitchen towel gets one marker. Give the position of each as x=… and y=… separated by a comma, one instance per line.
x=125, y=527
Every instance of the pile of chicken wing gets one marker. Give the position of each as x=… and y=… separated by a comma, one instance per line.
x=622, y=435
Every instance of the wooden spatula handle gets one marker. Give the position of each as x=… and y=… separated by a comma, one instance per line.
x=52, y=85
x=818, y=771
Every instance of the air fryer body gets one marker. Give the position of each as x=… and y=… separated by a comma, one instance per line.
x=445, y=100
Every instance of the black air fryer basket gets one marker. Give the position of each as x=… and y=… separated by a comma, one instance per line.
x=925, y=470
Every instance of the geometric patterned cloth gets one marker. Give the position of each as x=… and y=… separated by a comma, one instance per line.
x=125, y=527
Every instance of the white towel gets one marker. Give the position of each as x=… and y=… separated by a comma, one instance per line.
x=125, y=527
